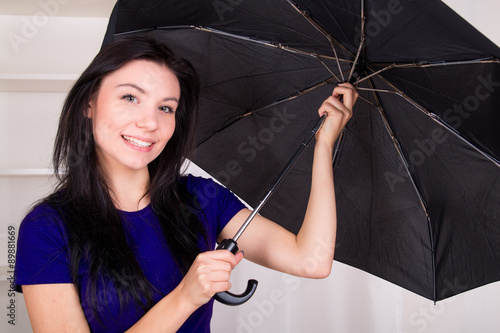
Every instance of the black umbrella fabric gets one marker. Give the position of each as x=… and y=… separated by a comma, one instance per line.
x=417, y=171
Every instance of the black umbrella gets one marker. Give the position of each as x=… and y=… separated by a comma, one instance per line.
x=417, y=171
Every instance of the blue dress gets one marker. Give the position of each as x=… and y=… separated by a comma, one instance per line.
x=43, y=257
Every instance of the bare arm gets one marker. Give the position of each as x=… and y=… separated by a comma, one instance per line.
x=57, y=308
x=310, y=253
x=54, y=308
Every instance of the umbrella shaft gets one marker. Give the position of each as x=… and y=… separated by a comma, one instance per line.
x=282, y=174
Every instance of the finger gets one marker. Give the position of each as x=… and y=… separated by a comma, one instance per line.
x=334, y=107
x=348, y=93
x=219, y=281
x=218, y=287
x=223, y=256
x=220, y=276
x=239, y=257
x=220, y=266
x=345, y=88
x=346, y=85
x=355, y=93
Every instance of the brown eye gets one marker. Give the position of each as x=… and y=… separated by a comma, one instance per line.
x=130, y=98
x=166, y=109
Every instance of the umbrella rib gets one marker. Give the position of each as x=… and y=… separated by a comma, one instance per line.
x=353, y=67
x=397, y=144
x=377, y=72
x=331, y=40
x=426, y=65
x=361, y=42
x=329, y=70
x=248, y=39
x=366, y=100
x=265, y=43
x=297, y=94
x=436, y=118
x=410, y=176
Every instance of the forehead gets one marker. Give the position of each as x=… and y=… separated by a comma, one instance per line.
x=146, y=74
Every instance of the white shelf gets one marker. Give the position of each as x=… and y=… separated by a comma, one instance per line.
x=26, y=82
x=26, y=172
x=68, y=8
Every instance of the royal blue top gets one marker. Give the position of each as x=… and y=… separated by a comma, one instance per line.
x=43, y=257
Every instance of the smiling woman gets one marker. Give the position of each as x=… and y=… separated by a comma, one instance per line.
x=124, y=243
x=73, y=251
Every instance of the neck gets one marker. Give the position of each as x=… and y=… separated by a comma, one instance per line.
x=128, y=189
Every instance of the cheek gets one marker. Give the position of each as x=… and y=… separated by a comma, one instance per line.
x=167, y=133
x=103, y=127
x=168, y=128
x=105, y=122
x=172, y=129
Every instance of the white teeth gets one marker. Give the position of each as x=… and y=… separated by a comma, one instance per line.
x=137, y=142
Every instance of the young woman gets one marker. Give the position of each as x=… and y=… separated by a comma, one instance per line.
x=122, y=244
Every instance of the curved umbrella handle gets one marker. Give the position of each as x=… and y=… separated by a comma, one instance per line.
x=226, y=297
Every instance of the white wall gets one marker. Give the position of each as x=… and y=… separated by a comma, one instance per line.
x=41, y=53
x=58, y=41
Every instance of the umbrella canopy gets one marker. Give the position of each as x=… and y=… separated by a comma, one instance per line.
x=417, y=171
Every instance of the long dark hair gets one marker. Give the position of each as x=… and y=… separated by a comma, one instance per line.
x=96, y=234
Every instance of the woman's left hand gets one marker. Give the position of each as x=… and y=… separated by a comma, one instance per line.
x=338, y=112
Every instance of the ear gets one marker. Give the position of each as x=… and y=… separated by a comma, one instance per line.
x=88, y=113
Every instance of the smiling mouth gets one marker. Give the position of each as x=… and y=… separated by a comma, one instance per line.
x=137, y=142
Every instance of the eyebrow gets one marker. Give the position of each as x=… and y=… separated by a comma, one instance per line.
x=144, y=91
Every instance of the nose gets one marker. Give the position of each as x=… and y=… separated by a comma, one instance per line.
x=148, y=118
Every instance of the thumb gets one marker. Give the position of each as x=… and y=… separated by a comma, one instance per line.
x=239, y=257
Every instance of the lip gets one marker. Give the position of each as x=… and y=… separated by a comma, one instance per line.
x=135, y=147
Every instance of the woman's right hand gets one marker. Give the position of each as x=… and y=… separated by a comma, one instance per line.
x=208, y=275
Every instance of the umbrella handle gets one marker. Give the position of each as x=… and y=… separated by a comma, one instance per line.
x=226, y=297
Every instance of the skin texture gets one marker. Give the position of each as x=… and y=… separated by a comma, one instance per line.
x=139, y=100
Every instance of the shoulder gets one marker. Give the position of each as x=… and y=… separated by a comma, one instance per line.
x=200, y=186
x=42, y=248
x=205, y=189
x=43, y=220
x=191, y=181
x=43, y=212
x=215, y=200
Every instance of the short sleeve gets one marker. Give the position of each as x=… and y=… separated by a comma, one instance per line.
x=218, y=203
x=42, y=251
x=229, y=205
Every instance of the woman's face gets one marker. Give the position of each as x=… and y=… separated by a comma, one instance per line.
x=133, y=115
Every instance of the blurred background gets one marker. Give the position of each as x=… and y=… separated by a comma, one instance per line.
x=45, y=45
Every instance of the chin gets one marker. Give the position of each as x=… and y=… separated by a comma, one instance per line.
x=135, y=166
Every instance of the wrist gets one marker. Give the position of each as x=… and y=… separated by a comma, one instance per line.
x=324, y=145
x=182, y=300
x=168, y=315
